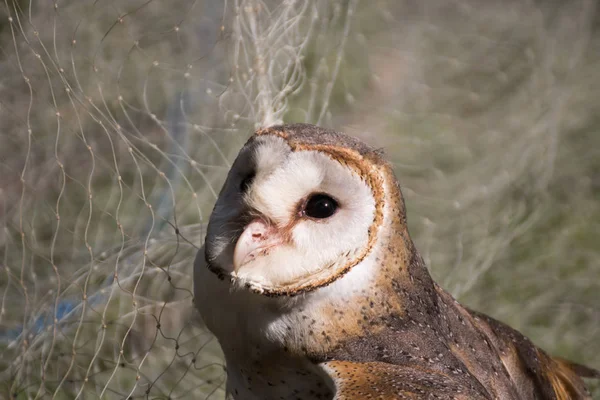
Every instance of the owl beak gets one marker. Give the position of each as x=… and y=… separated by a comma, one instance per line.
x=256, y=240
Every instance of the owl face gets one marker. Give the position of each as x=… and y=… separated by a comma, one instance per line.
x=292, y=215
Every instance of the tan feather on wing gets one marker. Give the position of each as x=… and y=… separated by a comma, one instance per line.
x=564, y=378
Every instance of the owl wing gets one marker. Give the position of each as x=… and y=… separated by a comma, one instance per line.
x=553, y=377
x=380, y=380
x=533, y=373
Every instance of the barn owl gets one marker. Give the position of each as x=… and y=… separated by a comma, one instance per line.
x=312, y=285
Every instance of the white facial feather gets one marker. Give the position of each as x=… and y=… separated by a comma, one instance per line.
x=283, y=180
x=316, y=244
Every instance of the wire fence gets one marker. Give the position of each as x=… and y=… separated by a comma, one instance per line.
x=119, y=121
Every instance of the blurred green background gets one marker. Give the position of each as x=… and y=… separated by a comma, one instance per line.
x=119, y=121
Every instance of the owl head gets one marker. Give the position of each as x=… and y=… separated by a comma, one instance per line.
x=301, y=207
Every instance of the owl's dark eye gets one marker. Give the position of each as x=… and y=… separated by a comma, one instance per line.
x=320, y=206
x=246, y=182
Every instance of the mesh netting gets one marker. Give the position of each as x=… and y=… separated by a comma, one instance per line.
x=119, y=120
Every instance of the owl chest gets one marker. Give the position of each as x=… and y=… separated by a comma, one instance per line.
x=276, y=378
x=260, y=366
